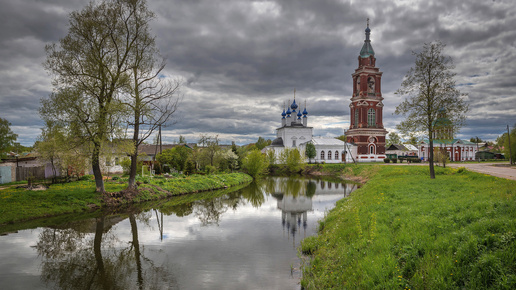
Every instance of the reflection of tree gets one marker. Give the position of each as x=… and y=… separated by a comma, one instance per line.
x=254, y=193
x=75, y=260
x=310, y=188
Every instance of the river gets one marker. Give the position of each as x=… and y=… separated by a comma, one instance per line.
x=243, y=239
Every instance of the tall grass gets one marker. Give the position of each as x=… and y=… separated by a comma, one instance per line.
x=404, y=230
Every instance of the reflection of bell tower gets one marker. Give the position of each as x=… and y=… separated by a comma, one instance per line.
x=366, y=108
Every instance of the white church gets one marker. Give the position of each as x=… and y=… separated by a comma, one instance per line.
x=295, y=133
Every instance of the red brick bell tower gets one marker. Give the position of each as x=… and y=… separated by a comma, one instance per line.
x=366, y=108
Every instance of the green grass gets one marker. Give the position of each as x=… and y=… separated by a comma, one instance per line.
x=404, y=230
x=21, y=204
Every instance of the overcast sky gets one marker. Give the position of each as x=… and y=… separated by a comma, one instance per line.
x=241, y=60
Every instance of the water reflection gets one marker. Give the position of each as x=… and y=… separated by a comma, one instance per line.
x=244, y=239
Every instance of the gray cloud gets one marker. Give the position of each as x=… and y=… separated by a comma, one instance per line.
x=241, y=60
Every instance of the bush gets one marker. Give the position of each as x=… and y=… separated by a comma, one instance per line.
x=210, y=169
x=386, y=160
x=87, y=177
x=394, y=160
x=255, y=163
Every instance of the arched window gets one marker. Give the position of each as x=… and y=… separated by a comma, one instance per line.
x=336, y=155
x=371, y=118
x=372, y=149
x=356, y=118
x=322, y=155
x=329, y=155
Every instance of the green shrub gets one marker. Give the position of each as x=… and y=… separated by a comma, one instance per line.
x=210, y=169
x=386, y=160
x=394, y=160
x=87, y=177
x=255, y=163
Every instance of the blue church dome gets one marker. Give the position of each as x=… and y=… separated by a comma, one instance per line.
x=283, y=114
x=294, y=105
x=305, y=112
x=289, y=112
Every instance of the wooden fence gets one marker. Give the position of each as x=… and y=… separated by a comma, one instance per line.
x=24, y=173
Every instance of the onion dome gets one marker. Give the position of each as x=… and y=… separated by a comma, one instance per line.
x=299, y=114
x=283, y=114
x=305, y=113
x=288, y=112
x=294, y=105
x=367, y=49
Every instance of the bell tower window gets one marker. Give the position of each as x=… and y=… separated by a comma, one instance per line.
x=371, y=118
x=356, y=118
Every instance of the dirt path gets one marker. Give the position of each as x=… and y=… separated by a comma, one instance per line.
x=499, y=169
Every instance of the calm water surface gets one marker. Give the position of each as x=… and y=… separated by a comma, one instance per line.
x=246, y=239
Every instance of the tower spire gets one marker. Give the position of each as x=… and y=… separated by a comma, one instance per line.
x=367, y=49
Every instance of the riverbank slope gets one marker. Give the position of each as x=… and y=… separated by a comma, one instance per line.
x=405, y=230
x=19, y=204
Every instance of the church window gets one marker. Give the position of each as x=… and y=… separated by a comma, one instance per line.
x=293, y=143
x=336, y=155
x=371, y=149
x=329, y=155
x=322, y=155
x=371, y=118
x=356, y=118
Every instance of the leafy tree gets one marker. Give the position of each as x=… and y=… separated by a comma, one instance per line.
x=151, y=99
x=52, y=145
x=182, y=139
x=342, y=138
x=175, y=157
x=413, y=139
x=228, y=160
x=7, y=137
x=92, y=66
x=211, y=148
x=262, y=143
x=291, y=158
x=429, y=87
x=442, y=157
x=310, y=151
x=475, y=140
x=255, y=163
x=271, y=157
x=393, y=138
x=509, y=145
x=294, y=160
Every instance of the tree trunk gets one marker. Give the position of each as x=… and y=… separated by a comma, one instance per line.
x=136, y=133
x=97, y=172
x=431, y=158
x=136, y=247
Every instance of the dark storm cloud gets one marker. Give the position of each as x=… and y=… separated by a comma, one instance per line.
x=241, y=60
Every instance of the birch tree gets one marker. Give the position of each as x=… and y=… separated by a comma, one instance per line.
x=427, y=88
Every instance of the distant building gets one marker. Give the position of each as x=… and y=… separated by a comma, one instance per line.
x=366, y=129
x=295, y=133
x=402, y=150
x=444, y=140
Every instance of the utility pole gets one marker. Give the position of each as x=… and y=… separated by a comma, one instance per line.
x=510, y=151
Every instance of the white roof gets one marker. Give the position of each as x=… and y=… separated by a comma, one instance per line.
x=410, y=147
x=327, y=141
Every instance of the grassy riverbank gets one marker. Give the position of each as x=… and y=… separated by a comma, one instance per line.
x=21, y=204
x=404, y=230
